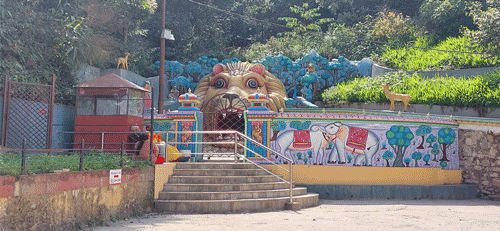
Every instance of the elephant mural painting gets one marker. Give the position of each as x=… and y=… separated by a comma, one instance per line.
x=358, y=140
x=316, y=138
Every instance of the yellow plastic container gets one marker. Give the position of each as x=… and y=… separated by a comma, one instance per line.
x=172, y=153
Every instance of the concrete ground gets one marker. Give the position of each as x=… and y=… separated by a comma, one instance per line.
x=369, y=214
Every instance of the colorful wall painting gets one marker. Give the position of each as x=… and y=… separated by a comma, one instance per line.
x=354, y=143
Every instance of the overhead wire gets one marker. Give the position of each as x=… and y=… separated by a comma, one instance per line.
x=239, y=15
x=359, y=39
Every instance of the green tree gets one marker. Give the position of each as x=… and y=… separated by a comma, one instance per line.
x=487, y=22
x=399, y=138
x=444, y=18
x=29, y=51
x=350, y=12
x=39, y=38
x=308, y=22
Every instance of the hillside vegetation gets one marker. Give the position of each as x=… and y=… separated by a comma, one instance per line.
x=39, y=38
x=481, y=91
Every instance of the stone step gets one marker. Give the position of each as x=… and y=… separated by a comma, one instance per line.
x=169, y=187
x=219, y=172
x=222, y=179
x=232, y=195
x=406, y=192
x=215, y=165
x=232, y=206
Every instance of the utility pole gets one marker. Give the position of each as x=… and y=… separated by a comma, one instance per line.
x=161, y=87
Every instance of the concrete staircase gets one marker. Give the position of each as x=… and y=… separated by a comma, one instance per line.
x=227, y=188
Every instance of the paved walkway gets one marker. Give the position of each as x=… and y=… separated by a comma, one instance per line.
x=337, y=215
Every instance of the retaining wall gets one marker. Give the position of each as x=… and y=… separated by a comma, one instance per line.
x=72, y=200
x=424, y=109
x=480, y=161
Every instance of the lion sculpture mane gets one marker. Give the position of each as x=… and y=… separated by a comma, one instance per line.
x=223, y=94
x=239, y=80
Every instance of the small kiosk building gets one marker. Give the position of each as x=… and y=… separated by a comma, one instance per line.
x=107, y=104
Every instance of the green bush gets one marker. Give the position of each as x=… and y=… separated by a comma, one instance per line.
x=414, y=59
x=481, y=91
x=10, y=163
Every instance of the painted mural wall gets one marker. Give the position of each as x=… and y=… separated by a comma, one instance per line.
x=365, y=143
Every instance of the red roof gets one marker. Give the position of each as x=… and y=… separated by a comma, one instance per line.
x=188, y=96
x=257, y=96
x=110, y=81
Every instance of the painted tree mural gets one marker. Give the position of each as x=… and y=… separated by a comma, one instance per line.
x=422, y=131
x=446, y=137
x=387, y=156
x=416, y=156
x=435, y=152
x=399, y=138
x=407, y=161
x=426, y=159
x=300, y=125
x=277, y=126
x=430, y=139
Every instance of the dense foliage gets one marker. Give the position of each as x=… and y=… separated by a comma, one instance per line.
x=488, y=22
x=482, y=91
x=10, y=163
x=39, y=38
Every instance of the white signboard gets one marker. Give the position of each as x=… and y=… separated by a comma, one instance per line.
x=115, y=176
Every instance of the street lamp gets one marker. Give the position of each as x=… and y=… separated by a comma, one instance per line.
x=167, y=34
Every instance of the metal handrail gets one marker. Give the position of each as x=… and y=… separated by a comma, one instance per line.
x=290, y=161
x=236, y=141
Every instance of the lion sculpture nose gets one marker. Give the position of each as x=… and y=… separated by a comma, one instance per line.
x=230, y=97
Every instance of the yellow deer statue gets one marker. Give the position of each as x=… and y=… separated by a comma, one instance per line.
x=123, y=61
x=396, y=97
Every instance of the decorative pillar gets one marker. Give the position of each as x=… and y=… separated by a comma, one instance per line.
x=258, y=125
x=188, y=118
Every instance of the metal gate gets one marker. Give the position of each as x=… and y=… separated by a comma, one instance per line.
x=28, y=114
x=225, y=115
x=221, y=115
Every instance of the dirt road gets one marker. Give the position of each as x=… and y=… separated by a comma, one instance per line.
x=337, y=215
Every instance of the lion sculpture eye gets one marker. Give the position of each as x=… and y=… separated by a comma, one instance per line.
x=252, y=83
x=220, y=83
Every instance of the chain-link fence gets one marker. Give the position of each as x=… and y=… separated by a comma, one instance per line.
x=28, y=114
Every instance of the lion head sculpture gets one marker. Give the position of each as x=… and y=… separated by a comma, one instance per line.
x=224, y=92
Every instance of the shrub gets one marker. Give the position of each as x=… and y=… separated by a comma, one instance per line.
x=482, y=91
x=395, y=29
x=419, y=58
